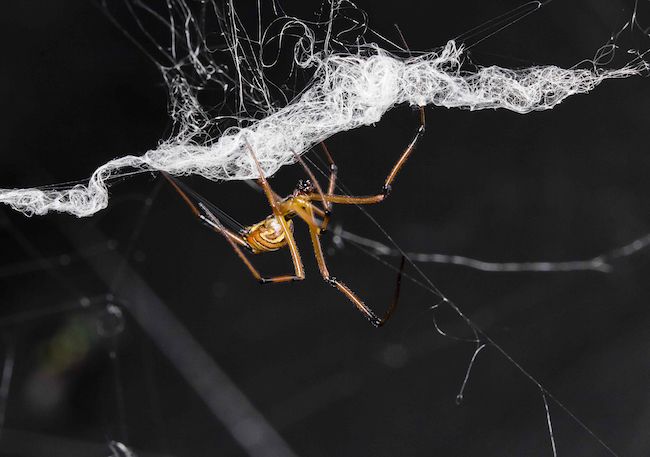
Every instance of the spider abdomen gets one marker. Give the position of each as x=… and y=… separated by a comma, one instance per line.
x=267, y=235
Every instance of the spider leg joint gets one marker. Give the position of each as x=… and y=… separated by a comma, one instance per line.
x=332, y=281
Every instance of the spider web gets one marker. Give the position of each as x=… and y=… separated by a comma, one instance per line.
x=346, y=90
x=360, y=375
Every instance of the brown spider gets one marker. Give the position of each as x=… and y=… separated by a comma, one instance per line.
x=276, y=231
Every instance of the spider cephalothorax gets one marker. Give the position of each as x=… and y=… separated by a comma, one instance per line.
x=304, y=187
x=311, y=205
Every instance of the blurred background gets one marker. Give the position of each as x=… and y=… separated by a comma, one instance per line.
x=138, y=330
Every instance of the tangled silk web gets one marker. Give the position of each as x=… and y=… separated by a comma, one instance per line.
x=347, y=91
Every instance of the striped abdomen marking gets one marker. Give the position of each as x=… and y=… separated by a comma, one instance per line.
x=267, y=235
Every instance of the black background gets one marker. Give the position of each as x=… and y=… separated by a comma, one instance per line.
x=565, y=184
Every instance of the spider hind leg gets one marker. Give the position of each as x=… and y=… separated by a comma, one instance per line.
x=343, y=288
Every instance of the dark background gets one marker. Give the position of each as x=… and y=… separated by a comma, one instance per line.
x=565, y=184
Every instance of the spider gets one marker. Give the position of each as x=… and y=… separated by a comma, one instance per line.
x=276, y=231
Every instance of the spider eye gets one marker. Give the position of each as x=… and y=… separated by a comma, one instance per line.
x=305, y=186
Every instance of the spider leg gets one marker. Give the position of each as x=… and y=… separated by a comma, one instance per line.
x=206, y=216
x=351, y=200
x=235, y=240
x=255, y=184
x=333, y=168
x=319, y=211
x=279, y=216
x=308, y=216
x=361, y=306
x=406, y=154
x=314, y=181
x=330, y=197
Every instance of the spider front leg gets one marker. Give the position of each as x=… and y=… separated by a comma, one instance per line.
x=406, y=154
x=361, y=306
x=330, y=197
